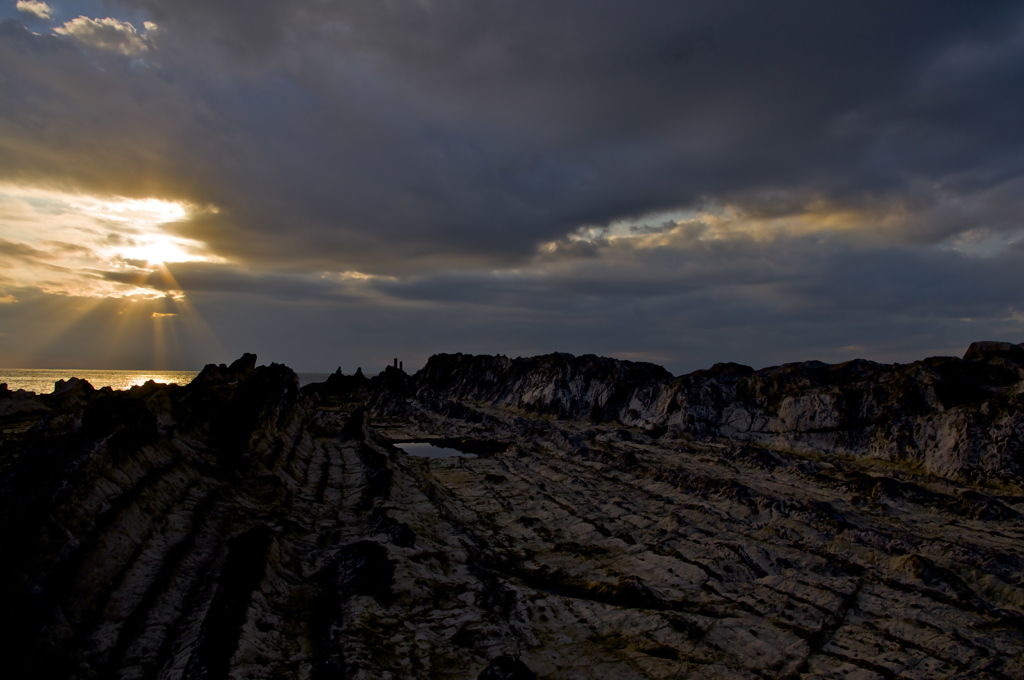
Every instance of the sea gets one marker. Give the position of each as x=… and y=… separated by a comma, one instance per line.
x=42, y=380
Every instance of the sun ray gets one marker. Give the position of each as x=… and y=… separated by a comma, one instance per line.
x=79, y=245
x=99, y=267
x=63, y=315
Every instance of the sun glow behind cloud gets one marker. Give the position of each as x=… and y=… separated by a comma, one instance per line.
x=98, y=265
x=68, y=243
x=132, y=211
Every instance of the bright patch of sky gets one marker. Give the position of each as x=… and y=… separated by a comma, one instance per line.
x=631, y=228
x=683, y=229
x=679, y=228
x=983, y=242
x=66, y=243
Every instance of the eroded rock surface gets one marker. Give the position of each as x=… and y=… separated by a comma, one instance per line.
x=958, y=418
x=806, y=521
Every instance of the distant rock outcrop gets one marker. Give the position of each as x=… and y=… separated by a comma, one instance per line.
x=803, y=521
x=558, y=385
x=959, y=418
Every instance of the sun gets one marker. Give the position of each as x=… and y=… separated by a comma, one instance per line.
x=159, y=248
x=144, y=234
x=142, y=223
x=98, y=246
x=136, y=211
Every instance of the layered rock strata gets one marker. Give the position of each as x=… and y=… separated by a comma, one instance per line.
x=958, y=418
x=243, y=527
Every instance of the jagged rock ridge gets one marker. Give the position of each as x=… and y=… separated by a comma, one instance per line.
x=621, y=522
x=959, y=418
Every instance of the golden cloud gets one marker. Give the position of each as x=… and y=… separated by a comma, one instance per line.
x=71, y=244
x=108, y=34
x=36, y=8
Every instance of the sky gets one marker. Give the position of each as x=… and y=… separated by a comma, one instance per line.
x=330, y=183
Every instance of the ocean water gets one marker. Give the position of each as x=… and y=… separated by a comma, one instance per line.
x=41, y=380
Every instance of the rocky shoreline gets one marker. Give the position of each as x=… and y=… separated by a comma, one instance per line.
x=857, y=520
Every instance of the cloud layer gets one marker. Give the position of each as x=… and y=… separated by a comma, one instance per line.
x=684, y=181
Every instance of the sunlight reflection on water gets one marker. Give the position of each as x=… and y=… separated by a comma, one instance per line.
x=41, y=380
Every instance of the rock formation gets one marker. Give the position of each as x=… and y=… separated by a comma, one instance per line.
x=804, y=521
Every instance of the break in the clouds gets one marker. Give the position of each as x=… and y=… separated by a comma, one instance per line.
x=683, y=182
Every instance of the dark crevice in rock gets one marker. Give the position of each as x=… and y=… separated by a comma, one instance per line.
x=866, y=664
x=241, y=573
x=325, y=478
x=507, y=668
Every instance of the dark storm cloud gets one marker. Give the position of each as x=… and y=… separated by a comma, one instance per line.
x=848, y=177
x=880, y=303
x=408, y=136
x=200, y=277
x=740, y=301
x=795, y=277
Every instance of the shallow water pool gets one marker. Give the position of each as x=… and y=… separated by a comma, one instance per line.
x=428, y=450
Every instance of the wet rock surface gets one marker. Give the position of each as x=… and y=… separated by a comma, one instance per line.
x=804, y=521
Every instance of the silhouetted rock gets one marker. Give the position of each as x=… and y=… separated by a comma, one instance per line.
x=981, y=351
x=962, y=419
x=507, y=668
x=18, y=404
x=214, y=374
x=340, y=384
x=800, y=521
